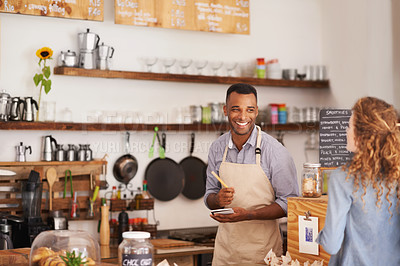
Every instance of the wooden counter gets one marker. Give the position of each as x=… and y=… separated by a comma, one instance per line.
x=298, y=206
x=20, y=256
x=183, y=256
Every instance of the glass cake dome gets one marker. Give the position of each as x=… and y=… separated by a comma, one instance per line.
x=57, y=246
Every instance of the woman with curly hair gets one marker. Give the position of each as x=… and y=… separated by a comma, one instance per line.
x=362, y=225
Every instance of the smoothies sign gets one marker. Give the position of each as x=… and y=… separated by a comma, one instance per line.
x=332, y=137
x=76, y=9
x=225, y=16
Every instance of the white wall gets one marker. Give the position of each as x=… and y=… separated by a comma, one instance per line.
x=395, y=15
x=359, y=47
x=297, y=32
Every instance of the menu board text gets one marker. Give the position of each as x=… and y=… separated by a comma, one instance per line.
x=332, y=137
x=226, y=16
x=76, y=9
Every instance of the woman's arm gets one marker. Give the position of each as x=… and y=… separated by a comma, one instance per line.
x=339, y=204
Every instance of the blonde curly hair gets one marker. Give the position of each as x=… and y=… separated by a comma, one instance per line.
x=377, y=138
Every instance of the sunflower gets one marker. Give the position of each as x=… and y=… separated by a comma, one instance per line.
x=44, y=53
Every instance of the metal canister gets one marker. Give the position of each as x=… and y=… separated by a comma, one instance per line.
x=60, y=153
x=71, y=153
x=215, y=109
x=195, y=113
x=88, y=153
x=81, y=153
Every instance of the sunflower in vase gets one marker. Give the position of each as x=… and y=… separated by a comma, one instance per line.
x=42, y=79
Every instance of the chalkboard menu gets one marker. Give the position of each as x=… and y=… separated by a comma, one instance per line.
x=227, y=16
x=77, y=9
x=332, y=137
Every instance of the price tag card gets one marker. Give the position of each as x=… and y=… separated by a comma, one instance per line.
x=308, y=232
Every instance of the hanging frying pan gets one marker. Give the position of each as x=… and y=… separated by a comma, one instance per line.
x=195, y=175
x=126, y=166
x=165, y=178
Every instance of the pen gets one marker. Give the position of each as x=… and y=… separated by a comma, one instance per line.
x=219, y=179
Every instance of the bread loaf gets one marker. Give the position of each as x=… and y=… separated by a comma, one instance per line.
x=44, y=256
x=53, y=260
x=41, y=253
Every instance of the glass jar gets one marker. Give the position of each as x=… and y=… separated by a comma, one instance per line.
x=196, y=113
x=135, y=247
x=311, y=180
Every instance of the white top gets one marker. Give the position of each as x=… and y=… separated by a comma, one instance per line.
x=136, y=235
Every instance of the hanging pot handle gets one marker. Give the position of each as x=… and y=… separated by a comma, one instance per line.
x=164, y=138
x=127, y=146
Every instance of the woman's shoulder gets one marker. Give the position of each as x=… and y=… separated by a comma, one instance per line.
x=338, y=177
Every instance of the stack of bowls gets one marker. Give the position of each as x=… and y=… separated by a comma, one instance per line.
x=274, y=70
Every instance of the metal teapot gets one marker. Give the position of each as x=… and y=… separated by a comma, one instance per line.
x=15, y=110
x=29, y=108
x=68, y=59
x=48, y=149
x=5, y=103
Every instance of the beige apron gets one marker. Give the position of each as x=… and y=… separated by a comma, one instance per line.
x=247, y=241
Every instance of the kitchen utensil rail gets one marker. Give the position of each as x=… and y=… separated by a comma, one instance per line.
x=10, y=185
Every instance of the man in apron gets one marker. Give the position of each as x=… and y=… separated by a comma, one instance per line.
x=260, y=175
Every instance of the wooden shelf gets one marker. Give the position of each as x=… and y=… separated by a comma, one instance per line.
x=146, y=127
x=54, y=163
x=72, y=71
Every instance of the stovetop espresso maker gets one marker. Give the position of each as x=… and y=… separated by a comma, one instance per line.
x=88, y=43
x=21, y=152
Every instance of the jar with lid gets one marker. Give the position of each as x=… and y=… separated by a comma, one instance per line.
x=135, y=249
x=215, y=112
x=195, y=113
x=311, y=180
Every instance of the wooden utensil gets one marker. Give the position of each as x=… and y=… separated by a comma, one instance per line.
x=51, y=176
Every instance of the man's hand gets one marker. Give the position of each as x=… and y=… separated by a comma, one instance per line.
x=221, y=199
x=269, y=212
x=239, y=214
x=225, y=196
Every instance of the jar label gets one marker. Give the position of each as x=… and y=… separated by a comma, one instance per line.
x=137, y=259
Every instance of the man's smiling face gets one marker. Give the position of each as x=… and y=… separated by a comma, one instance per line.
x=242, y=111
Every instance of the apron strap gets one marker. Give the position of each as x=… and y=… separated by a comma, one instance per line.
x=225, y=153
x=258, y=150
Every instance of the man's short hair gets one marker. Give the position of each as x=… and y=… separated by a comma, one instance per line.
x=241, y=88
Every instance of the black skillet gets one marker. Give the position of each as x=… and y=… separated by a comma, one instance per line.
x=165, y=178
x=126, y=166
x=195, y=175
